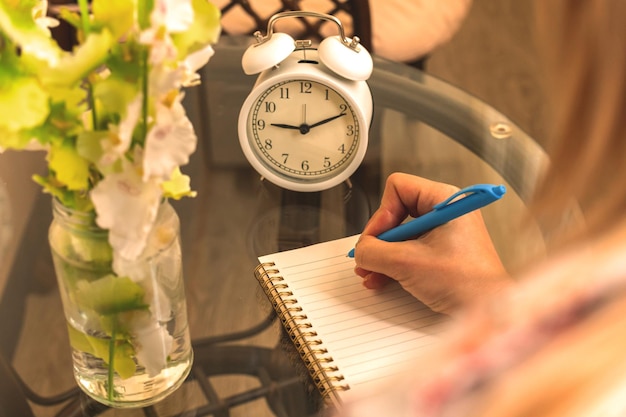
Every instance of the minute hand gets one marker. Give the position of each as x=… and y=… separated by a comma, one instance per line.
x=330, y=119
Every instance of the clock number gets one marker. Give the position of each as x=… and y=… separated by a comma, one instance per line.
x=284, y=92
x=326, y=96
x=342, y=149
x=327, y=161
x=268, y=144
x=305, y=87
x=343, y=108
x=305, y=165
x=270, y=107
x=260, y=124
x=350, y=130
x=285, y=157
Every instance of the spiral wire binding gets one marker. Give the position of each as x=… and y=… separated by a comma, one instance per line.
x=319, y=364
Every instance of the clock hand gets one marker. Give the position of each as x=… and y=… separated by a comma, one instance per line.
x=321, y=122
x=284, y=126
x=305, y=128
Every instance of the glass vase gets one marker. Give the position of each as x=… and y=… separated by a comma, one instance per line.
x=128, y=330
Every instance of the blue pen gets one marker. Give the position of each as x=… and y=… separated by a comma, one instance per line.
x=476, y=196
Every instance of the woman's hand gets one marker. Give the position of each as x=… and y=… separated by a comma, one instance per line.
x=446, y=268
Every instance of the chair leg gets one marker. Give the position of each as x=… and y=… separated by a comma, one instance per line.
x=362, y=22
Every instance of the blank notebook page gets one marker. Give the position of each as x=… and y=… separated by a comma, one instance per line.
x=371, y=335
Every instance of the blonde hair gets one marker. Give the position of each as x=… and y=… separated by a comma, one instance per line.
x=583, y=46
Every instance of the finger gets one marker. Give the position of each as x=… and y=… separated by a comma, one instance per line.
x=382, y=257
x=376, y=281
x=372, y=280
x=361, y=272
x=417, y=194
x=406, y=195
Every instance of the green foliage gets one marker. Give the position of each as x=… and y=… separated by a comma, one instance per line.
x=69, y=167
x=110, y=295
x=123, y=362
x=204, y=30
x=23, y=102
x=92, y=110
x=65, y=102
x=76, y=67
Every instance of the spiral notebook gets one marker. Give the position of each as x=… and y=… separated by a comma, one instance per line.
x=348, y=336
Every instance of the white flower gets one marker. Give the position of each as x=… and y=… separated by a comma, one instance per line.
x=193, y=63
x=162, y=48
x=159, y=269
x=127, y=206
x=175, y=15
x=169, y=143
x=165, y=81
x=119, y=141
x=152, y=343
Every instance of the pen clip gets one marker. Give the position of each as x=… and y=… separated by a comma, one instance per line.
x=496, y=190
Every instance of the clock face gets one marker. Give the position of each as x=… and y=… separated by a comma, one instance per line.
x=303, y=130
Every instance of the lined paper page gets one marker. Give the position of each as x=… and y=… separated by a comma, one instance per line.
x=371, y=335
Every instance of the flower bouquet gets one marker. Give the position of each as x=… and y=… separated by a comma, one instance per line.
x=110, y=118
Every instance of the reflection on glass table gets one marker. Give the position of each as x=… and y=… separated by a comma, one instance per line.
x=243, y=365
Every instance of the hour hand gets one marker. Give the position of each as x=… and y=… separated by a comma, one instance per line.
x=284, y=126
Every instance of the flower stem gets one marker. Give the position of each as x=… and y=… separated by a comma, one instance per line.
x=111, y=373
x=144, y=87
x=84, y=16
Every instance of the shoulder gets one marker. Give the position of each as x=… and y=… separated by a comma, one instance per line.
x=407, y=30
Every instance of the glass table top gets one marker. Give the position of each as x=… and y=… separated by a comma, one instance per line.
x=243, y=365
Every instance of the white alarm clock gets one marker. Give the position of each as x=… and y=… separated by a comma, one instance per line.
x=305, y=124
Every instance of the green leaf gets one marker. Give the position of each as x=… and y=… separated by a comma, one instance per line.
x=96, y=251
x=79, y=341
x=110, y=295
x=114, y=95
x=123, y=363
x=88, y=144
x=23, y=103
x=14, y=140
x=178, y=186
x=51, y=186
x=68, y=103
x=18, y=24
x=144, y=8
x=204, y=30
x=73, y=199
x=74, y=67
x=69, y=167
x=70, y=17
x=116, y=15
